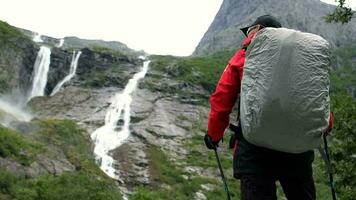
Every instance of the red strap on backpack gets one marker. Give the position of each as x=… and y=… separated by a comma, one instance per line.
x=331, y=122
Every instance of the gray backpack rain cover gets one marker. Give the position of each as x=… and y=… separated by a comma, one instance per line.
x=285, y=103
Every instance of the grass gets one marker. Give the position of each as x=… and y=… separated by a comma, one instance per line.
x=190, y=73
x=7, y=31
x=68, y=137
x=168, y=182
x=87, y=182
x=69, y=186
x=105, y=50
x=204, y=71
x=15, y=146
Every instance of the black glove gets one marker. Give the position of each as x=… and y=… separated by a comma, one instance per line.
x=210, y=144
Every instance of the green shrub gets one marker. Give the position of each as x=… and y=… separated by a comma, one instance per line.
x=69, y=186
x=86, y=183
x=343, y=146
x=204, y=71
x=66, y=135
x=7, y=182
x=7, y=31
x=16, y=146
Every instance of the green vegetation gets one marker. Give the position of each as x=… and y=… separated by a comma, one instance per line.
x=342, y=13
x=343, y=146
x=105, y=50
x=3, y=84
x=85, y=183
x=17, y=147
x=70, y=186
x=343, y=79
x=169, y=181
x=204, y=71
x=189, y=74
x=7, y=31
x=66, y=135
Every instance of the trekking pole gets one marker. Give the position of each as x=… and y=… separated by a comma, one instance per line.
x=222, y=175
x=332, y=184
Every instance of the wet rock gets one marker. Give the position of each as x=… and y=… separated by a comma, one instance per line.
x=193, y=170
x=199, y=196
x=42, y=166
x=132, y=162
x=207, y=187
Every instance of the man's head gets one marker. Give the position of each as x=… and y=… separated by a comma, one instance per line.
x=260, y=23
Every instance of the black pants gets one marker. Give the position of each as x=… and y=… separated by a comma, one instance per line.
x=254, y=187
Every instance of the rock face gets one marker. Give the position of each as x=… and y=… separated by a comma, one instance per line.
x=305, y=15
x=71, y=43
x=17, y=56
x=156, y=119
x=77, y=43
x=105, y=69
x=166, y=111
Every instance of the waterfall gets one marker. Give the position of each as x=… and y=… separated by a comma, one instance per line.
x=72, y=70
x=10, y=113
x=112, y=135
x=40, y=72
x=37, y=38
x=60, y=43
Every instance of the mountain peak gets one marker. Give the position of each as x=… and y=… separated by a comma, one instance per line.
x=304, y=15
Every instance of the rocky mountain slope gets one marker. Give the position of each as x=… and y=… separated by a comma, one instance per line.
x=166, y=112
x=304, y=15
x=51, y=157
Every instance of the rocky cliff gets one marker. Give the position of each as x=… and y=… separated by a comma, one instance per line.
x=163, y=158
x=166, y=112
x=305, y=15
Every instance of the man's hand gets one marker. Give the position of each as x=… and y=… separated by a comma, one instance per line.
x=210, y=144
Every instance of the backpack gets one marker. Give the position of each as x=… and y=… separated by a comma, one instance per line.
x=285, y=103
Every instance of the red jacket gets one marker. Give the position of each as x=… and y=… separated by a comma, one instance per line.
x=228, y=89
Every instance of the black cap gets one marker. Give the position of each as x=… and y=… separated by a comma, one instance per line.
x=265, y=21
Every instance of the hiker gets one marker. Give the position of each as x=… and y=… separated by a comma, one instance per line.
x=258, y=168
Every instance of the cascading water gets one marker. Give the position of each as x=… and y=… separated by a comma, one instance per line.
x=37, y=38
x=72, y=70
x=60, y=43
x=111, y=135
x=10, y=113
x=39, y=76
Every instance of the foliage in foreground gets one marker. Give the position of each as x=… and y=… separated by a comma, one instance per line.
x=70, y=186
x=87, y=182
x=342, y=13
x=17, y=147
x=172, y=182
x=343, y=146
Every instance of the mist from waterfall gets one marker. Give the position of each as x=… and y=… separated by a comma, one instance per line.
x=111, y=135
x=72, y=71
x=10, y=113
x=12, y=106
x=40, y=72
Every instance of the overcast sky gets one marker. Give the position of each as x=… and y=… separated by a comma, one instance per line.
x=156, y=26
